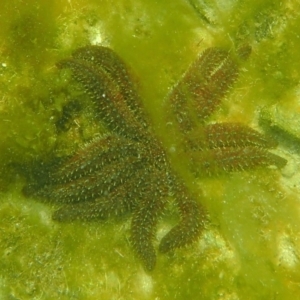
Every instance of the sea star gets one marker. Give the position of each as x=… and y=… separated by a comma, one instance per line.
x=128, y=169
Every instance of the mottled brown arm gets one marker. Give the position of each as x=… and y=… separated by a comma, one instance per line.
x=105, y=92
x=222, y=135
x=105, y=58
x=225, y=160
x=191, y=224
x=202, y=88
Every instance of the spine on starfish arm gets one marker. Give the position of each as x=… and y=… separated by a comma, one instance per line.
x=193, y=217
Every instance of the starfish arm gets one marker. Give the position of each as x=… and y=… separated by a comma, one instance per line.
x=94, y=157
x=235, y=135
x=200, y=91
x=92, y=186
x=216, y=161
x=101, y=209
x=107, y=96
x=143, y=227
x=190, y=226
x=103, y=57
x=119, y=200
x=222, y=135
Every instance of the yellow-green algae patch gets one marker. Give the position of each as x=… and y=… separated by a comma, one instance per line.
x=250, y=249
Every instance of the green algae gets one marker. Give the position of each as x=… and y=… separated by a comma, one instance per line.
x=250, y=248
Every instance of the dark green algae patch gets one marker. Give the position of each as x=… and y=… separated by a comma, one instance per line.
x=250, y=247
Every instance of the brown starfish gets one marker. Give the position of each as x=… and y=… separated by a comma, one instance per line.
x=128, y=169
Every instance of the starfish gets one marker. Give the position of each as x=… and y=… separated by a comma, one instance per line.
x=128, y=169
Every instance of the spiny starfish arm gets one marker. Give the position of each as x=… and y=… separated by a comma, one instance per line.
x=216, y=161
x=236, y=135
x=210, y=93
x=94, y=185
x=105, y=58
x=143, y=225
x=199, y=93
x=94, y=157
x=100, y=209
x=121, y=199
x=84, y=211
x=107, y=96
x=190, y=226
x=208, y=62
x=222, y=135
